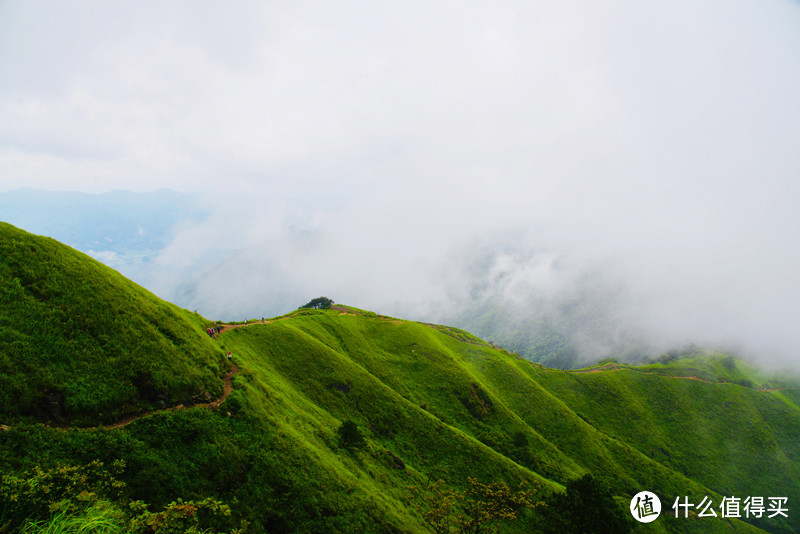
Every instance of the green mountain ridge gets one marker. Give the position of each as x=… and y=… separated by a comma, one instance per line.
x=431, y=402
x=80, y=343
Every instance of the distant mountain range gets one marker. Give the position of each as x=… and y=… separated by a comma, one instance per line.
x=121, y=223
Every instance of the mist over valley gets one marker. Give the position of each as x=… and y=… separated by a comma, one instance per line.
x=547, y=303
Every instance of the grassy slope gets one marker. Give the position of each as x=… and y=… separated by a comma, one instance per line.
x=403, y=378
x=80, y=343
x=715, y=368
x=303, y=379
x=434, y=402
x=439, y=399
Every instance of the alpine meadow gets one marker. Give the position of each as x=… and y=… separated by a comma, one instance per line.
x=121, y=413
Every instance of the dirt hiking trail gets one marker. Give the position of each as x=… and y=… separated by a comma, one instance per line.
x=212, y=404
x=227, y=379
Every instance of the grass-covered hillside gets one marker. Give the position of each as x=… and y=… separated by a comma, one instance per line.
x=343, y=420
x=80, y=344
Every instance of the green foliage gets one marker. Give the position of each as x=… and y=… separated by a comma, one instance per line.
x=479, y=508
x=90, y=498
x=179, y=517
x=319, y=303
x=100, y=518
x=35, y=494
x=520, y=440
x=350, y=437
x=586, y=506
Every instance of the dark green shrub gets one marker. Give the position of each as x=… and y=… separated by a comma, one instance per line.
x=350, y=437
x=520, y=440
x=587, y=506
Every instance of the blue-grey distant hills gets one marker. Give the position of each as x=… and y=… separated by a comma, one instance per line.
x=120, y=222
x=128, y=231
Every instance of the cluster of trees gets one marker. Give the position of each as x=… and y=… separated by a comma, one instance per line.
x=91, y=496
x=586, y=506
x=479, y=508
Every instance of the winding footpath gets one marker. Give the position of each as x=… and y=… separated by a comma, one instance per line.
x=225, y=327
x=227, y=379
x=212, y=404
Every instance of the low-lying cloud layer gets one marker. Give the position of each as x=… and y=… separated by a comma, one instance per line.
x=638, y=159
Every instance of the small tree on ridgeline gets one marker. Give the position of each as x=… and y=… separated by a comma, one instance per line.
x=319, y=303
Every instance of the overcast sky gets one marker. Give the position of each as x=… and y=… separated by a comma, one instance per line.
x=655, y=142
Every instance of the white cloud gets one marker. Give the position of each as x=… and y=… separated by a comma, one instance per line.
x=655, y=139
